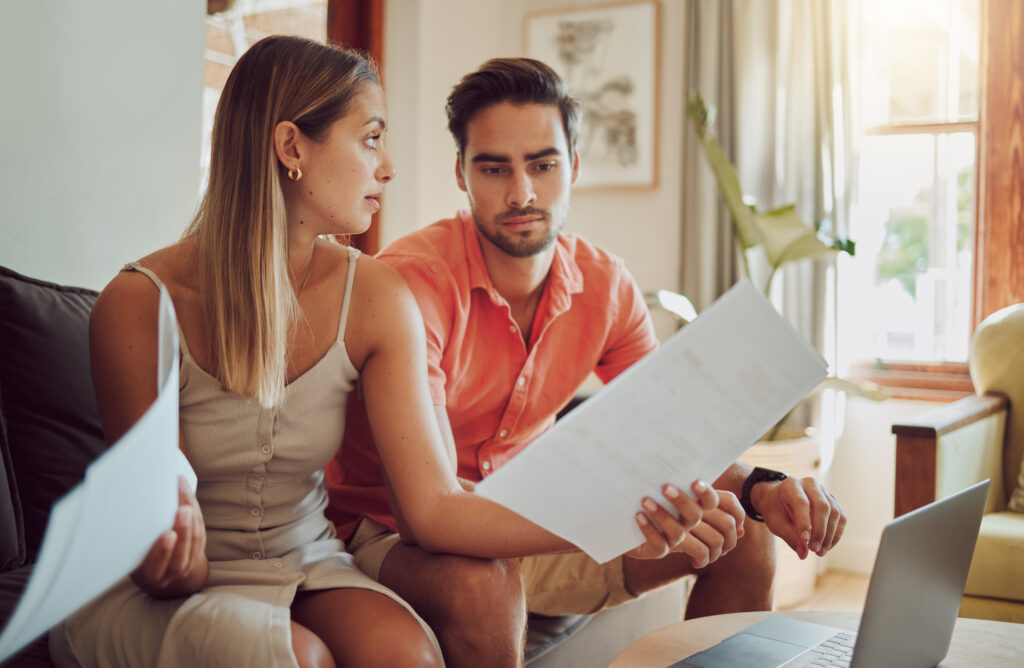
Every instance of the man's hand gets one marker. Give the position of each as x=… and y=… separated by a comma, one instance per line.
x=176, y=564
x=800, y=512
x=665, y=531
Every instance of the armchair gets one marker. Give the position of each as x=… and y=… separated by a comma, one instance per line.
x=978, y=437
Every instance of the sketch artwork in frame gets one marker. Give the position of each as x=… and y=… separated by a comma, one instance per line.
x=607, y=55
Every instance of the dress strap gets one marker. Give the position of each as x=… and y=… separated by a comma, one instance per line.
x=135, y=266
x=353, y=255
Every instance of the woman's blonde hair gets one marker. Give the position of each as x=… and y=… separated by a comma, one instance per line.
x=240, y=227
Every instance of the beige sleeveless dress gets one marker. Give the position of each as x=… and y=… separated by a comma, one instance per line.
x=261, y=489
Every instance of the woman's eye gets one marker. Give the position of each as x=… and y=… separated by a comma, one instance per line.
x=371, y=141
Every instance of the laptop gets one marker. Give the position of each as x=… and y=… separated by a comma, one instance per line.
x=911, y=606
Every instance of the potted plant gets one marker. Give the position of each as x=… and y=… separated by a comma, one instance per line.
x=781, y=236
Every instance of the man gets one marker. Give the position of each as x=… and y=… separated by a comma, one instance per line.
x=517, y=315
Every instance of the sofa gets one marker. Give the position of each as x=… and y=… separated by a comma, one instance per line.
x=978, y=437
x=50, y=432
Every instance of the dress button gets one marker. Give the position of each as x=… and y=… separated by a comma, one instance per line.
x=521, y=382
x=486, y=466
x=512, y=328
x=257, y=555
x=503, y=433
x=266, y=448
x=255, y=512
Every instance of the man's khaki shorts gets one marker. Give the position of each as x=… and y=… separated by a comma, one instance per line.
x=555, y=584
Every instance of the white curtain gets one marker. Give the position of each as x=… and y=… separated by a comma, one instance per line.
x=710, y=263
x=780, y=74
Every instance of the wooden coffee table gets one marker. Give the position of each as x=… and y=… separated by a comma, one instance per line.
x=976, y=642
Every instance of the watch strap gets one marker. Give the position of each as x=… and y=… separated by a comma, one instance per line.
x=757, y=475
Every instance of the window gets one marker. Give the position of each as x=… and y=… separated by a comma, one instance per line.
x=907, y=294
x=230, y=32
x=233, y=25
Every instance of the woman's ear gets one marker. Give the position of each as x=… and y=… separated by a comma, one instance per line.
x=287, y=144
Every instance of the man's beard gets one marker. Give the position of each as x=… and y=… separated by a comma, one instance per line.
x=520, y=244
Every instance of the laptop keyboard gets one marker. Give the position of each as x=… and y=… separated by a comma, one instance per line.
x=836, y=651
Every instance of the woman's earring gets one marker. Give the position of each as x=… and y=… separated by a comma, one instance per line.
x=294, y=175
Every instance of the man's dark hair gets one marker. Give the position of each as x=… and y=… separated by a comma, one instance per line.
x=515, y=80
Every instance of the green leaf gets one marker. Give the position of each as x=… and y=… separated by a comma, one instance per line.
x=845, y=245
x=787, y=237
x=728, y=184
x=866, y=389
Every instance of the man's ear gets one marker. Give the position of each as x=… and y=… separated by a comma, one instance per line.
x=459, y=177
x=575, y=166
x=287, y=144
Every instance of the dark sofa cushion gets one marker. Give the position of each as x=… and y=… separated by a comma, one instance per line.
x=12, y=531
x=53, y=428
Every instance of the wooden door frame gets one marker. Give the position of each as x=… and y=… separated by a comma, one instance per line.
x=999, y=239
x=359, y=24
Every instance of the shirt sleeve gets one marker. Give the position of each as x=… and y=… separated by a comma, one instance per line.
x=631, y=334
x=434, y=299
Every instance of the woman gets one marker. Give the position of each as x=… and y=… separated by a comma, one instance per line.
x=276, y=323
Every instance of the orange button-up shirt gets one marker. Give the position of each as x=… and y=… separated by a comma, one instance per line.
x=502, y=388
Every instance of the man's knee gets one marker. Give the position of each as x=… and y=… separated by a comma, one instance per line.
x=483, y=589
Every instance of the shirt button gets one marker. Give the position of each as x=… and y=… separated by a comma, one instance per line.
x=255, y=512
x=266, y=448
x=503, y=433
x=521, y=381
x=257, y=555
x=278, y=564
x=486, y=466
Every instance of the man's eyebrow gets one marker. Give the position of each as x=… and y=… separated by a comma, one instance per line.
x=493, y=157
x=490, y=157
x=543, y=154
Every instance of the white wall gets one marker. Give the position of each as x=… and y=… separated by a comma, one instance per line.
x=430, y=45
x=863, y=477
x=100, y=133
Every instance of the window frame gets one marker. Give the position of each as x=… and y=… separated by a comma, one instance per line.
x=999, y=203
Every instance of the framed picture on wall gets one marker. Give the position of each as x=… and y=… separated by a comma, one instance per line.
x=608, y=56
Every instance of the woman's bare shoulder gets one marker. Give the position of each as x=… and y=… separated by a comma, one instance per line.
x=383, y=310
x=376, y=280
x=133, y=294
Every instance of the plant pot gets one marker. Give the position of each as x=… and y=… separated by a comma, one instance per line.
x=798, y=453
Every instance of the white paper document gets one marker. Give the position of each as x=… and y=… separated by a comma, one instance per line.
x=684, y=412
x=100, y=530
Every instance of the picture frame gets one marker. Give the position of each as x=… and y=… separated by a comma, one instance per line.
x=608, y=56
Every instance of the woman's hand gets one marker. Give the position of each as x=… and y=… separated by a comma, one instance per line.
x=176, y=565
x=717, y=533
x=665, y=532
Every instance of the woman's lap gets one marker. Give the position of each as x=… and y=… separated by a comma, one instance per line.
x=244, y=612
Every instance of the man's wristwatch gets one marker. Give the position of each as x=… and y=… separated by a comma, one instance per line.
x=757, y=475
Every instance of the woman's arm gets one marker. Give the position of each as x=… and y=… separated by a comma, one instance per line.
x=438, y=512
x=123, y=354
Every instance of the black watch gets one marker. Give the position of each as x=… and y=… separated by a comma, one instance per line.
x=757, y=475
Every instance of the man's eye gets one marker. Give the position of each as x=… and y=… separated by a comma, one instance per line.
x=545, y=166
x=492, y=171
